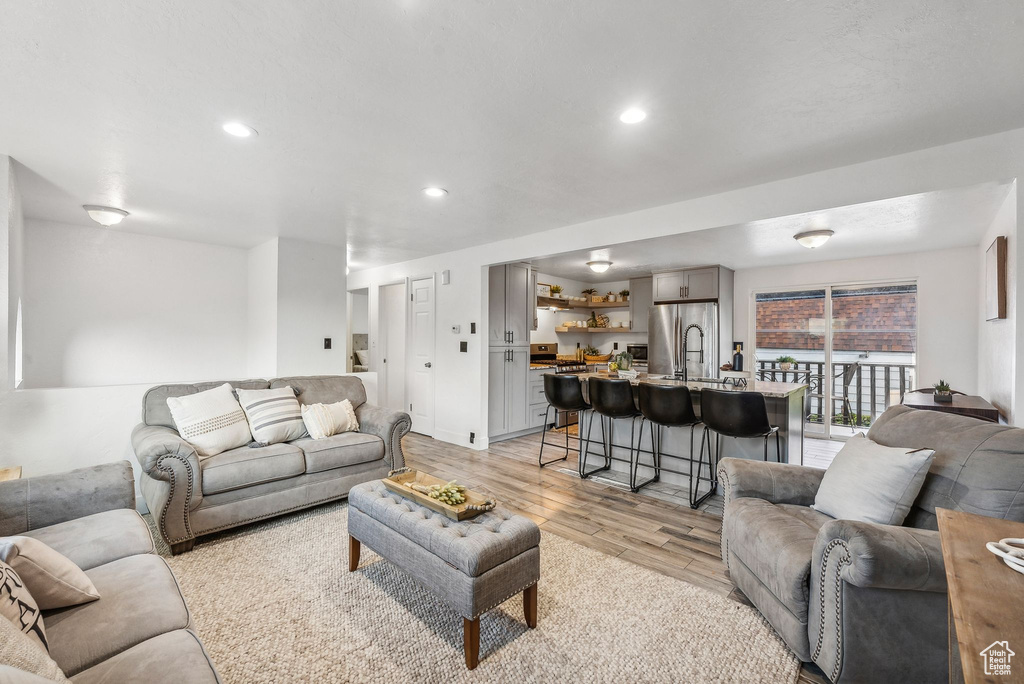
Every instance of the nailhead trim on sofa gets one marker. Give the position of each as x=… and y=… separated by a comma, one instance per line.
x=843, y=561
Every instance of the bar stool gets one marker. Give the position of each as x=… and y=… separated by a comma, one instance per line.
x=564, y=393
x=663, y=406
x=610, y=399
x=732, y=414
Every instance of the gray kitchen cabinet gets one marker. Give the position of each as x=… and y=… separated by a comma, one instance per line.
x=689, y=285
x=641, y=298
x=533, y=299
x=511, y=305
x=508, y=391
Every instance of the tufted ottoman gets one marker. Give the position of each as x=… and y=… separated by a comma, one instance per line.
x=472, y=565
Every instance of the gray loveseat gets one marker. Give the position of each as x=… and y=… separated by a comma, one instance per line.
x=140, y=628
x=866, y=602
x=188, y=497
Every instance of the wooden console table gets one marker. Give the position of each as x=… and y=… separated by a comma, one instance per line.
x=985, y=596
x=963, y=404
x=13, y=473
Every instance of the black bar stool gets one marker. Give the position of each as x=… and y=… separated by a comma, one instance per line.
x=610, y=399
x=663, y=406
x=732, y=414
x=564, y=393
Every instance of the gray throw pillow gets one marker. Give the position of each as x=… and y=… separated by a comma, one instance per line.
x=872, y=483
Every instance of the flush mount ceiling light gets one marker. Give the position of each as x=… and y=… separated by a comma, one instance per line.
x=599, y=266
x=632, y=116
x=239, y=129
x=435, y=192
x=813, y=238
x=105, y=216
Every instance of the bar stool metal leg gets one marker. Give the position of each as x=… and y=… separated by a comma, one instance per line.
x=584, y=473
x=544, y=442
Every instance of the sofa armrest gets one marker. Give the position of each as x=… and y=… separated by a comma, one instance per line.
x=390, y=426
x=171, y=479
x=880, y=556
x=774, y=482
x=36, y=502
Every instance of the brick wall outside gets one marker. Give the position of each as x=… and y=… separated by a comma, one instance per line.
x=873, y=322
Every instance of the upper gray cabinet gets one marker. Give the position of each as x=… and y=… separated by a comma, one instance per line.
x=695, y=284
x=641, y=297
x=511, y=305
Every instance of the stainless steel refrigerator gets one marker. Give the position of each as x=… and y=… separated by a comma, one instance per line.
x=683, y=336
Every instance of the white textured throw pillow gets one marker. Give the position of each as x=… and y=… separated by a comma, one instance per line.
x=211, y=421
x=363, y=356
x=872, y=483
x=273, y=414
x=324, y=420
x=18, y=606
x=54, y=580
x=20, y=651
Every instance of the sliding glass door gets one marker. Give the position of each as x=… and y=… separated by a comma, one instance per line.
x=854, y=346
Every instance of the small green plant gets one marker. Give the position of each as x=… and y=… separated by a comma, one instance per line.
x=556, y=289
x=623, y=293
x=591, y=350
x=942, y=387
x=786, y=359
x=590, y=291
x=624, y=361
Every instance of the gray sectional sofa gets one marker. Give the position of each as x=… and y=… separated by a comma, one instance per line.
x=866, y=602
x=189, y=498
x=140, y=630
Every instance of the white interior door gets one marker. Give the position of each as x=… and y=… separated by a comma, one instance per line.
x=421, y=355
x=392, y=333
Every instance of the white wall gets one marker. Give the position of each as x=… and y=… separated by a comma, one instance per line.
x=16, y=280
x=947, y=302
x=360, y=314
x=105, y=307
x=261, y=305
x=460, y=379
x=997, y=363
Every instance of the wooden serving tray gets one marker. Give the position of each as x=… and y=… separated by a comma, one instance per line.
x=397, y=483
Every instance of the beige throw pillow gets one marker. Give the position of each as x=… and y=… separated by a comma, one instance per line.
x=55, y=582
x=273, y=414
x=19, y=608
x=324, y=420
x=18, y=650
x=211, y=421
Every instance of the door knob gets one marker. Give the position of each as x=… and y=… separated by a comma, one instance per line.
x=426, y=365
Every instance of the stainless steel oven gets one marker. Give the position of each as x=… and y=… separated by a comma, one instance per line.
x=639, y=354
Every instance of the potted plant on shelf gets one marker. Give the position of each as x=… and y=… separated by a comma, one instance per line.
x=943, y=393
x=786, y=362
x=624, y=295
x=611, y=296
x=556, y=291
x=591, y=294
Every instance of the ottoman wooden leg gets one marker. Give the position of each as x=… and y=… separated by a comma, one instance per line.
x=353, y=553
x=471, y=641
x=530, y=605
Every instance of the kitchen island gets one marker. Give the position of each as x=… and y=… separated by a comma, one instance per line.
x=786, y=409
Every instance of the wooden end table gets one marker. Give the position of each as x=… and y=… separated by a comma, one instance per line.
x=984, y=597
x=13, y=473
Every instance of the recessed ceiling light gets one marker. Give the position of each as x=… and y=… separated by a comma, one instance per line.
x=435, y=192
x=813, y=238
x=239, y=129
x=632, y=115
x=105, y=216
x=599, y=266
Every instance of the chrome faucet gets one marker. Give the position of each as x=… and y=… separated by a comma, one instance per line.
x=686, y=335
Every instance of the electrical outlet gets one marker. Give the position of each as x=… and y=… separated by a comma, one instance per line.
x=615, y=346
x=463, y=346
x=472, y=328
x=327, y=343
x=472, y=437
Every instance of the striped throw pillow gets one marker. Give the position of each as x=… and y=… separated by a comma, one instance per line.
x=273, y=414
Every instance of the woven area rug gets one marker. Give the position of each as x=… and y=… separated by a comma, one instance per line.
x=274, y=602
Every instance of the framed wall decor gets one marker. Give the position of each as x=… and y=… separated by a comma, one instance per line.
x=995, y=280
x=543, y=290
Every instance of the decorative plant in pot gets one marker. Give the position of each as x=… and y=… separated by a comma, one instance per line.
x=556, y=291
x=786, y=362
x=610, y=296
x=591, y=294
x=624, y=295
x=943, y=393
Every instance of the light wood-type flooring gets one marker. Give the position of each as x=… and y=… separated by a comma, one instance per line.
x=657, y=531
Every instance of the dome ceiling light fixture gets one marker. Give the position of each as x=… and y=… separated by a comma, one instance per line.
x=239, y=129
x=599, y=266
x=435, y=192
x=812, y=239
x=105, y=216
x=632, y=115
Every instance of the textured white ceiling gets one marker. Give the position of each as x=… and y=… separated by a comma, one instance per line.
x=914, y=223
x=511, y=106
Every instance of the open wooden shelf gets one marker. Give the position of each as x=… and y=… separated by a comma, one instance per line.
x=569, y=304
x=577, y=329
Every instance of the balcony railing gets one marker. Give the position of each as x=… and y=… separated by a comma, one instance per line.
x=860, y=391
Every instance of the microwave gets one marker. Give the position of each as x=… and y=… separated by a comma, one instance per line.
x=638, y=352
